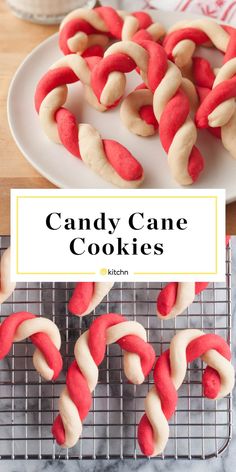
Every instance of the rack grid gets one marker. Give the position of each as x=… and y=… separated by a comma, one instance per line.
x=200, y=428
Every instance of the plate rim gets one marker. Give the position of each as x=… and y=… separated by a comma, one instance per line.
x=56, y=181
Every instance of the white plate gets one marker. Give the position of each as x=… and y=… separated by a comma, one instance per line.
x=65, y=170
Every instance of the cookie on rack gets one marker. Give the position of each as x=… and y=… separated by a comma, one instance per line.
x=87, y=296
x=82, y=376
x=169, y=373
x=43, y=333
x=6, y=286
x=176, y=297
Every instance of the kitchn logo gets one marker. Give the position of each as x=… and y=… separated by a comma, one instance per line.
x=105, y=271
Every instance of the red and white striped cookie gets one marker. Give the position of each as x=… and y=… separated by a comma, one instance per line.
x=43, y=333
x=82, y=376
x=183, y=38
x=175, y=298
x=88, y=32
x=107, y=158
x=87, y=296
x=136, y=111
x=204, y=77
x=218, y=108
x=171, y=105
x=169, y=372
x=6, y=286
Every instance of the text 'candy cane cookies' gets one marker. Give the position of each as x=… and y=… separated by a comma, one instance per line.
x=169, y=373
x=6, y=286
x=171, y=104
x=43, y=333
x=87, y=296
x=88, y=32
x=82, y=376
x=106, y=157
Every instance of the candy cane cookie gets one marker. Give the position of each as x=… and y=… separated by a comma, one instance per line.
x=204, y=77
x=183, y=38
x=136, y=111
x=175, y=298
x=108, y=158
x=88, y=32
x=169, y=373
x=6, y=286
x=218, y=108
x=82, y=376
x=87, y=296
x=43, y=333
x=170, y=103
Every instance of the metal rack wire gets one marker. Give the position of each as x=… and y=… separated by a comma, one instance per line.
x=200, y=429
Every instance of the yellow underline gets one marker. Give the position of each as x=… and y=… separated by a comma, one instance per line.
x=175, y=273
x=56, y=273
x=118, y=196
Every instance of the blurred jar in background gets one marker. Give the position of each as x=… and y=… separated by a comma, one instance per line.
x=46, y=11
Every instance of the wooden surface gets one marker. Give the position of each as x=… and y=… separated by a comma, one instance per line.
x=17, y=39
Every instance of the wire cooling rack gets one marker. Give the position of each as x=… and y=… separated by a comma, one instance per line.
x=200, y=428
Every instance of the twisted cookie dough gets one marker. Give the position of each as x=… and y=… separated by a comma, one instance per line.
x=87, y=296
x=137, y=114
x=88, y=32
x=204, y=77
x=42, y=332
x=169, y=373
x=170, y=103
x=218, y=108
x=175, y=297
x=108, y=158
x=6, y=286
x=181, y=41
x=82, y=376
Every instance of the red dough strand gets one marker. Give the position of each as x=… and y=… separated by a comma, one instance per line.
x=80, y=300
x=114, y=24
x=172, y=39
x=128, y=169
x=76, y=382
x=167, y=297
x=170, y=123
x=175, y=112
x=122, y=160
x=42, y=341
x=219, y=94
x=166, y=390
x=147, y=114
